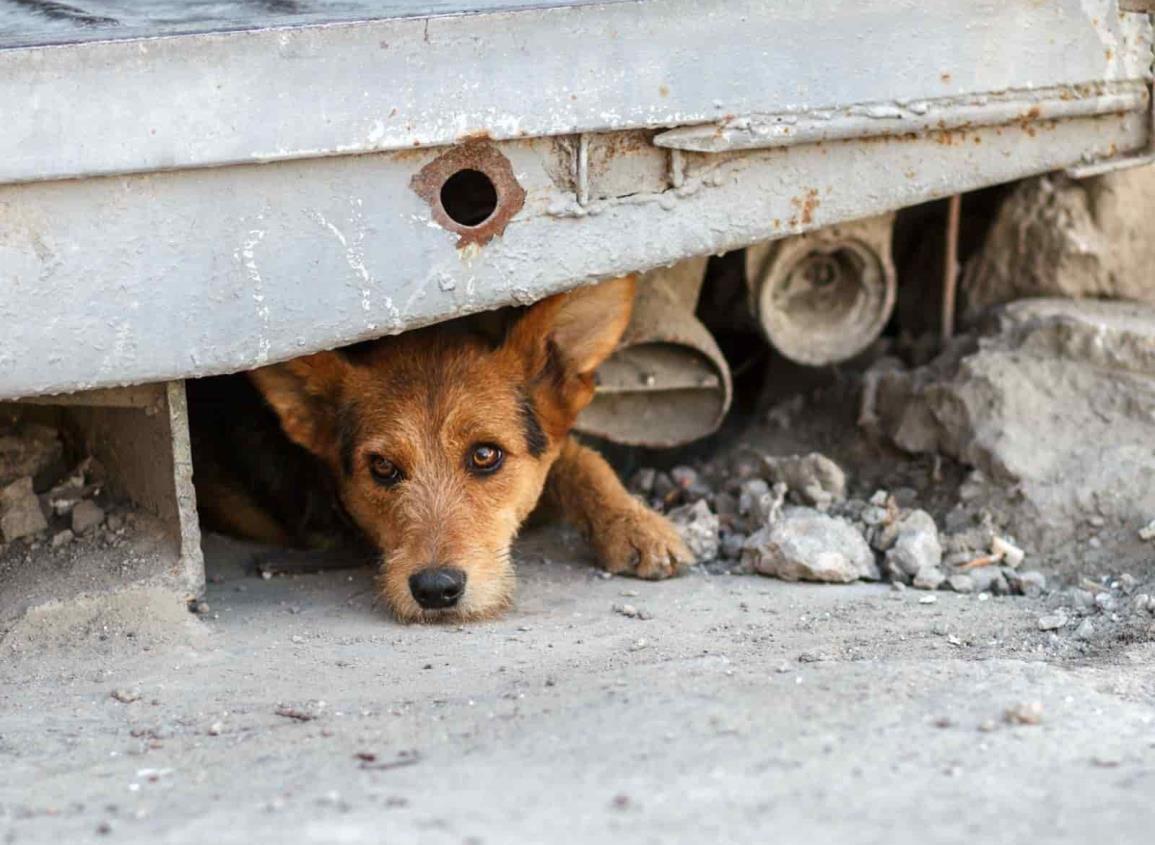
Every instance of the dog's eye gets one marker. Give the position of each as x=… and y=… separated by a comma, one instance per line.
x=485, y=458
x=384, y=471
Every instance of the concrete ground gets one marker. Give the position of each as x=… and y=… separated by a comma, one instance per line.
x=744, y=709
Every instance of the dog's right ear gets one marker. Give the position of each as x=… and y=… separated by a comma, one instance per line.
x=305, y=393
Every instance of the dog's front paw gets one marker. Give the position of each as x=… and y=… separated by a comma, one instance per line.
x=637, y=541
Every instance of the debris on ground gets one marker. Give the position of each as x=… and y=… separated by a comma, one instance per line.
x=20, y=514
x=699, y=529
x=805, y=544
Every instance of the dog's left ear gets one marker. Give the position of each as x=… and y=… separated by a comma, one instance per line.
x=574, y=331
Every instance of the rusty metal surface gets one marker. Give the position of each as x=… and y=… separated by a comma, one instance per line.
x=158, y=276
x=425, y=79
x=169, y=265
x=481, y=157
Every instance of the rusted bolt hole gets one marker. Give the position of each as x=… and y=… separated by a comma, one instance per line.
x=469, y=197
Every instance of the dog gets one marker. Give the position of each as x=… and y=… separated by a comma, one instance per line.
x=435, y=445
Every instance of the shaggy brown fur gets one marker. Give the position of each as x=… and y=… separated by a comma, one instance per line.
x=440, y=444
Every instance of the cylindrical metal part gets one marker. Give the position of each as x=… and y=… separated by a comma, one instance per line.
x=668, y=383
x=825, y=296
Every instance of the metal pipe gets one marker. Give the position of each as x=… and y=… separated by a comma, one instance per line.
x=668, y=383
x=825, y=296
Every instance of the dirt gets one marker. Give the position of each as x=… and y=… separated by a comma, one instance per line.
x=724, y=709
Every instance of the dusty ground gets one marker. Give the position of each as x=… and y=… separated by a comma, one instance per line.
x=745, y=709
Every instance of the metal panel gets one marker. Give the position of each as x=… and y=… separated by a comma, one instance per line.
x=274, y=94
x=151, y=277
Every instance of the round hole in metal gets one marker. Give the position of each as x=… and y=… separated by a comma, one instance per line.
x=469, y=197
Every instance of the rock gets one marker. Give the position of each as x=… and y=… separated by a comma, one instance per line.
x=1029, y=713
x=1144, y=602
x=20, y=513
x=1106, y=602
x=643, y=481
x=732, y=544
x=1147, y=532
x=814, y=478
x=807, y=545
x=663, y=487
x=929, y=578
x=698, y=527
x=725, y=505
x=916, y=546
x=28, y=450
x=1052, y=621
x=1053, y=393
x=760, y=504
x=961, y=583
x=86, y=516
x=1028, y=583
x=1085, y=631
x=62, y=538
x=1052, y=236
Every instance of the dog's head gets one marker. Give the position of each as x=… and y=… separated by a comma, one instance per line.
x=440, y=441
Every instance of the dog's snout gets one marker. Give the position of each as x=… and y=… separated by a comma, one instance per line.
x=437, y=587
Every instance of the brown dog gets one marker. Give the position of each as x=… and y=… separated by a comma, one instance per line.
x=439, y=444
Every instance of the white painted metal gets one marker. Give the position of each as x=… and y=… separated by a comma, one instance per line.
x=141, y=240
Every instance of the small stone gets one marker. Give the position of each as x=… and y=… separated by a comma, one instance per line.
x=1052, y=621
x=725, y=504
x=663, y=487
x=86, y=516
x=627, y=610
x=928, y=578
x=1147, y=532
x=916, y=545
x=62, y=538
x=684, y=477
x=1085, y=631
x=20, y=513
x=200, y=607
x=1081, y=599
x=1144, y=602
x=807, y=545
x=1105, y=602
x=1030, y=584
x=1096, y=521
x=643, y=481
x=125, y=696
x=879, y=498
x=1127, y=583
x=1095, y=543
x=115, y=522
x=732, y=544
x=699, y=529
x=1029, y=713
x=216, y=729
x=814, y=478
x=931, y=599
x=961, y=583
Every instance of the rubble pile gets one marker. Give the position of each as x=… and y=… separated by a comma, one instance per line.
x=43, y=503
x=789, y=517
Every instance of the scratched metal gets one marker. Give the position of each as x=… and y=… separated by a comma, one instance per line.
x=155, y=276
x=507, y=71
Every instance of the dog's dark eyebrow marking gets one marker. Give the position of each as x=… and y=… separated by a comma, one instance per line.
x=347, y=427
x=535, y=439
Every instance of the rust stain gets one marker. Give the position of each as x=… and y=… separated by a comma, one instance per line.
x=1109, y=53
x=945, y=77
x=475, y=137
x=663, y=91
x=805, y=205
x=485, y=158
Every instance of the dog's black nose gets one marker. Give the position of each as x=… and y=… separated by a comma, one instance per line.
x=437, y=586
